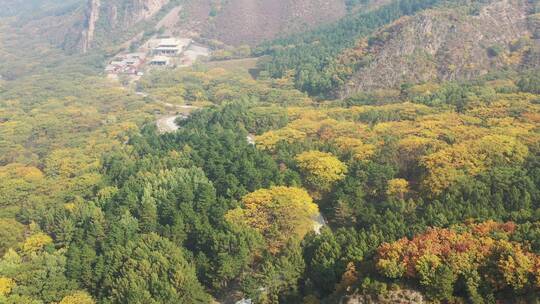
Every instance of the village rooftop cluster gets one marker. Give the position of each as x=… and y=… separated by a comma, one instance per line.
x=158, y=52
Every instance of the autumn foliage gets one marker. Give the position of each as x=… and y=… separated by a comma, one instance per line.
x=79, y=297
x=320, y=169
x=277, y=213
x=469, y=253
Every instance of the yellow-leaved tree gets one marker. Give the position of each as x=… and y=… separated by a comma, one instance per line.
x=269, y=140
x=398, y=188
x=470, y=158
x=321, y=170
x=277, y=213
x=6, y=285
x=36, y=243
x=78, y=297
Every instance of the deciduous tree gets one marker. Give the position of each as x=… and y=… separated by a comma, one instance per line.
x=277, y=213
x=321, y=170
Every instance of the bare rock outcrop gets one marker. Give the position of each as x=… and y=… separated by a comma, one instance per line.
x=87, y=36
x=93, y=24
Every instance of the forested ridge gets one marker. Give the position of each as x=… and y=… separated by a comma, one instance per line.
x=312, y=57
x=326, y=61
x=429, y=193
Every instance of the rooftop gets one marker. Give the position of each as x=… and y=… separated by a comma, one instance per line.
x=165, y=42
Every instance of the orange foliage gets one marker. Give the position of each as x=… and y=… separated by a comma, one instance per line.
x=463, y=252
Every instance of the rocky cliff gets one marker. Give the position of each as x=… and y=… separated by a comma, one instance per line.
x=460, y=42
x=115, y=21
x=90, y=24
x=88, y=33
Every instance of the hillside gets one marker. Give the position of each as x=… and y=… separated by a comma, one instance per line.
x=249, y=21
x=10, y=8
x=78, y=26
x=444, y=44
x=408, y=41
x=96, y=24
x=312, y=57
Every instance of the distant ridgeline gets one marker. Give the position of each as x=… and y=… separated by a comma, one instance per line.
x=326, y=62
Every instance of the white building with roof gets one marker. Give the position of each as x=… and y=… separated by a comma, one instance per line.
x=171, y=46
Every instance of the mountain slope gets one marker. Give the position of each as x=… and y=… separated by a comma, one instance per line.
x=249, y=21
x=10, y=8
x=312, y=57
x=78, y=26
x=99, y=24
x=444, y=44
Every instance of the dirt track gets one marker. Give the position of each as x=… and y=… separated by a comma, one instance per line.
x=167, y=124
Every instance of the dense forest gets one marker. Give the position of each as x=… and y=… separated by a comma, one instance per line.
x=189, y=216
x=429, y=193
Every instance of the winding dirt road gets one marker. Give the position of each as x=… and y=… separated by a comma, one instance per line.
x=167, y=124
